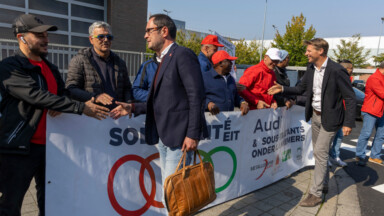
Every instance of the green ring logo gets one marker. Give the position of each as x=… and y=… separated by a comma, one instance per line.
x=208, y=158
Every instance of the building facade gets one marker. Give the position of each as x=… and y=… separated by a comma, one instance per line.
x=73, y=17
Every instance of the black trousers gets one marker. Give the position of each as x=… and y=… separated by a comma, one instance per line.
x=16, y=173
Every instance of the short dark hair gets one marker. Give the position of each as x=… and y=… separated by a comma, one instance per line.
x=318, y=43
x=381, y=65
x=161, y=20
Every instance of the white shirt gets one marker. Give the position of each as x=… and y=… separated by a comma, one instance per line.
x=317, y=85
x=165, y=51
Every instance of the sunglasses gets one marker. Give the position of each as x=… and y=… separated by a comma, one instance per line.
x=102, y=37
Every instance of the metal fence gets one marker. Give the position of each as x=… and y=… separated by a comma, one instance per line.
x=61, y=55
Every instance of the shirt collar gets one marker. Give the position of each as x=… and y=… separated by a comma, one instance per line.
x=323, y=66
x=165, y=51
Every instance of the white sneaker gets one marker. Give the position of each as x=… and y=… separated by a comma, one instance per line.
x=340, y=162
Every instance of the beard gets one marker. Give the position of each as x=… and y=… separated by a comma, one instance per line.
x=36, y=51
x=156, y=46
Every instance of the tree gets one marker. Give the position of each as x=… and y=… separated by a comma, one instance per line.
x=379, y=58
x=190, y=41
x=350, y=50
x=293, y=40
x=247, y=53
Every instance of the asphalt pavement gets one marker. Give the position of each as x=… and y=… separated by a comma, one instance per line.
x=369, y=179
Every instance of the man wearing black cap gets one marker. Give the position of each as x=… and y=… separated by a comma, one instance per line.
x=30, y=87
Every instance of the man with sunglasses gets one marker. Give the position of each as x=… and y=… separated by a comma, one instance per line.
x=98, y=72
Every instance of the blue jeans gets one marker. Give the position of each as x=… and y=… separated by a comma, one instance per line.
x=370, y=121
x=359, y=95
x=169, y=159
x=335, y=149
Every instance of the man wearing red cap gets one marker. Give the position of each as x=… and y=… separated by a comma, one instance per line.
x=220, y=87
x=258, y=79
x=209, y=46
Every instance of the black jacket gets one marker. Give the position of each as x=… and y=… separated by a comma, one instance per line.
x=336, y=88
x=282, y=79
x=24, y=97
x=84, y=80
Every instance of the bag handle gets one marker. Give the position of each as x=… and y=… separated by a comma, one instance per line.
x=184, y=158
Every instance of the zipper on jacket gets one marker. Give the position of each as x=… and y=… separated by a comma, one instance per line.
x=14, y=133
x=374, y=102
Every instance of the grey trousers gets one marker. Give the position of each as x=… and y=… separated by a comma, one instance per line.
x=321, y=141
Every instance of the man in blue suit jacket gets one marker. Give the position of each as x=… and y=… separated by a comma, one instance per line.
x=175, y=106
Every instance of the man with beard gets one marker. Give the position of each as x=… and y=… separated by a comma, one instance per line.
x=327, y=84
x=98, y=72
x=258, y=79
x=209, y=46
x=31, y=87
x=175, y=106
x=220, y=87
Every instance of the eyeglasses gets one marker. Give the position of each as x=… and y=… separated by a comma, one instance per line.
x=150, y=30
x=102, y=37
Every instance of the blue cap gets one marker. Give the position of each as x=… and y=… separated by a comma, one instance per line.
x=283, y=54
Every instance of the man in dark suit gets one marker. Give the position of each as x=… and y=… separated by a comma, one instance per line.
x=175, y=105
x=328, y=84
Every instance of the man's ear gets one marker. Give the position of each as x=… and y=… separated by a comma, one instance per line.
x=164, y=31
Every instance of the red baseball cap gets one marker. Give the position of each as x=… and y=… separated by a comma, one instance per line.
x=220, y=56
x=211, y=39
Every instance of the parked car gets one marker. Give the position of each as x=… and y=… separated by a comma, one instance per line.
x=359, y=84
x=359, y=101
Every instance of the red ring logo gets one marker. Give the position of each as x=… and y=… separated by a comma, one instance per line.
x=150, y=198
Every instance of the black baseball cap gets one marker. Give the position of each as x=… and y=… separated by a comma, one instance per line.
x=30, y=23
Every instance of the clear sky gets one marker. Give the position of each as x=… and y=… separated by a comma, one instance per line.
x=245, y=18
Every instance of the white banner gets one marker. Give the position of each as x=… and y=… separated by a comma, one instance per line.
x=105, y=168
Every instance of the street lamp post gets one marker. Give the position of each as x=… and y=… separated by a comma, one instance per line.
x=262, y=40
x=167, y=11
x=381, y=31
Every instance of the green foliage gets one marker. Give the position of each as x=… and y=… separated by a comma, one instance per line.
x=293, y=40
x=352, y=51
x=247, y=53
x=378, y=59
x=192, y=42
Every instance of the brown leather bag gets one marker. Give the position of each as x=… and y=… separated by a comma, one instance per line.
x=190, y=188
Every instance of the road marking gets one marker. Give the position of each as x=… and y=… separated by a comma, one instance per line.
x=352, y=148
x=379, y=188
x=355, y=141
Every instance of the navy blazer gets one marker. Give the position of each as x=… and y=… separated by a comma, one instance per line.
x=336, y=88
x=175, y=108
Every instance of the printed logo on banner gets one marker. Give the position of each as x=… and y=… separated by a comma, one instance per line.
x=149, y=198
x=299, y=154
x=286, y=155
x=208, y=158
x=264, y=166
